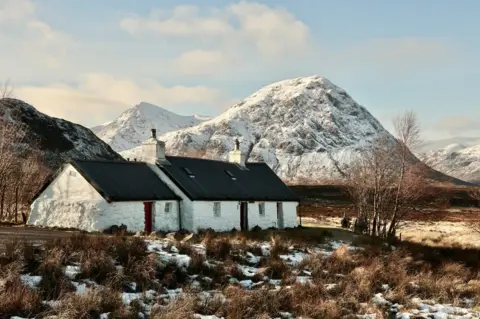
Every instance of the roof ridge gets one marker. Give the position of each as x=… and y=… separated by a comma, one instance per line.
x=106, y=161
x=211, y=160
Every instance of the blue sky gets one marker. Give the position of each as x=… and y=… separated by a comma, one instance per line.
x=87, y=61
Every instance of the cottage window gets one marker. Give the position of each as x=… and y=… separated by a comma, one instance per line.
x=261, y=209
x=168, y=207
x=216, y=209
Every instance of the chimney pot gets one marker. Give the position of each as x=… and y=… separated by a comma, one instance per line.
x=236, y=156
x=153, y=150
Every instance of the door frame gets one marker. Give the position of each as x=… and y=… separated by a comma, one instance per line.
x=148, y=216
x=280, y=216
x=243, y=216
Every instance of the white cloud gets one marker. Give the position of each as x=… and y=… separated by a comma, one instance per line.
x=16, y=11
x=458, y=124
x=184, y=21
x=201, y=62
x=98, y=98
x=29, y=37
x=274, y=32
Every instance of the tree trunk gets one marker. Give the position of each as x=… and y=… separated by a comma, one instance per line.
x=2, y=204
x=16, y=204
x=393, y=222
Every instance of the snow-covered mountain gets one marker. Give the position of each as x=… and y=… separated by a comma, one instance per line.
x=133, y=126
x=435, y=145
x=296, y=126
x=57, y=140
x=458, y=160
x=304, y=128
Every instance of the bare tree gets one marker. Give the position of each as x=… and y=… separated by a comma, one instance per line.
x=6, y=90
x=474, y=193
x=383, y=182
x=22, y=172
x=407, y=131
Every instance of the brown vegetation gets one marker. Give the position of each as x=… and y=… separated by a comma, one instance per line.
x=22, y=172
x=342, y=283
x=6, y=90
x=383, y=183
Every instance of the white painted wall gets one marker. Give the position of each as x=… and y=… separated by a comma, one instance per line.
x=266, y=221
x=165, y=221
x=71, y=202
x=290, y=214
x=203, y=216
x=270, y=219
x=70, y=185
x=186, y=205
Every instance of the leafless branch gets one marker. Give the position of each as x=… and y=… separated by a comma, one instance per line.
x=407, y=130
x=6, y=90
x=382, y=182
x=22, y=171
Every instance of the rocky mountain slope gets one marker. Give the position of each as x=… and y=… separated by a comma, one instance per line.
x=435, y=145
x=296, y=126
x=56, y=139
x=457, y=160
x=133, y=126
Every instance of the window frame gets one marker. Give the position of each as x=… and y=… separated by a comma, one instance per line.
x=261, y=209
x=169, y=205
x=217, y=209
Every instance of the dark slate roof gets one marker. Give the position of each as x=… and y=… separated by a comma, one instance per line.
x=119, y=181
x=211, y=180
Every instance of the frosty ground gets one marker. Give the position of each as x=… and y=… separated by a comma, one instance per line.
x=300, y=273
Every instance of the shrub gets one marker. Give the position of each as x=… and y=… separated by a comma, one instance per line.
x=92, y=304
x=218, y=248
x=143, y=272
x=19, y=300
x=178, y=308
x=96, y=265
x=125, y=248
x=171, y=275
x=184, y=248
x=276, y=267
x=255, y=304
x=54, y=283
x=278, y=246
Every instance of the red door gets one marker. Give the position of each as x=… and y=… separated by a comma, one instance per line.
x=148, y=216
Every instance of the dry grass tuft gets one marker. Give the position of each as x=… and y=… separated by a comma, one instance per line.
x=218, y=248
x=54, y=283
x=143, y=272
x=96, y=265
x=278, y=246
x=179, y=308
x=92, y=304
x=19, y=300
x=254, y=304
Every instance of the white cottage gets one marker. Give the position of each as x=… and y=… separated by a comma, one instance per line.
x=166, y=193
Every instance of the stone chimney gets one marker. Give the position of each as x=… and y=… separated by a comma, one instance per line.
x=236, y=156
x=153, y=150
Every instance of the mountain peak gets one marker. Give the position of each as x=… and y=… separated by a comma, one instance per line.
x=133, y=126
x=296, y=126
x=57, y=140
